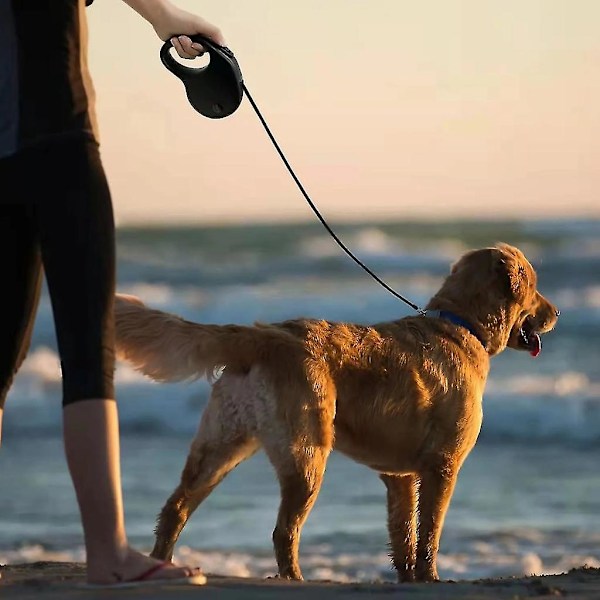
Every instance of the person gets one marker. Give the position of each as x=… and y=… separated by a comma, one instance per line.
x=56, y=216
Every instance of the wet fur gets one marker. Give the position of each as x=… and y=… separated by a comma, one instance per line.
x=402, y=397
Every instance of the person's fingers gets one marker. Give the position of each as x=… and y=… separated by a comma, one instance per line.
x=177, y=45
x=180, y=50
x=191, y=49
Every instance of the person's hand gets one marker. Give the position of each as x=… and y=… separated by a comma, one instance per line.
x=176, y=20
x=176, y=24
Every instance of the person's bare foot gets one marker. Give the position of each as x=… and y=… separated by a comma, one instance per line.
x=130, y=566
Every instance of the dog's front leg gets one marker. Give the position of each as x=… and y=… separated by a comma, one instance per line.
x=402, y=523
x=435, y=493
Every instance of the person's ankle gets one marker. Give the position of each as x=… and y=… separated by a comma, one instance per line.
x=109, y=555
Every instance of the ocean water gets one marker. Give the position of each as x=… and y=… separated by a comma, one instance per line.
x=528, y=496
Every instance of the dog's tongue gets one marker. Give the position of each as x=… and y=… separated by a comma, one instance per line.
x=536, y=343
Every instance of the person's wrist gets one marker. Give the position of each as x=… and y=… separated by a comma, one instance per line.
x=153, y=11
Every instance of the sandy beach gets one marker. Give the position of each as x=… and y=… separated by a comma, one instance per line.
x=49, y=580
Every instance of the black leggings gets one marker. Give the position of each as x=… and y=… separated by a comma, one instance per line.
x=56, y=211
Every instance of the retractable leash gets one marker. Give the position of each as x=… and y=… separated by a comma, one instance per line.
x=216, y=91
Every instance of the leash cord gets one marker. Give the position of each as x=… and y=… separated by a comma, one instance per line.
x=318, y=214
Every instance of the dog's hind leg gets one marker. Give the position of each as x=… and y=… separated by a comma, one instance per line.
x=222, y=442
x=300, y=474
x=298, y=447
x=402, y=523
x=205, y=468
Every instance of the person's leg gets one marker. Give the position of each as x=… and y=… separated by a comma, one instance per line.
x=21, y=281
x=77, y=241
x=91, y=435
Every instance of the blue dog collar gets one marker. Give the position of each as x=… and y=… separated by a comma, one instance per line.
x=450, y=316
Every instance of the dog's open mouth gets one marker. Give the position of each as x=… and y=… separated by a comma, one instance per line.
x=529, y=339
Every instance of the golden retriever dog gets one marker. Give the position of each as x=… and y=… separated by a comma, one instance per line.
x=402, y=397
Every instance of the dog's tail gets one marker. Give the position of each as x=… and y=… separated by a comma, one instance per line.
x=168, y=348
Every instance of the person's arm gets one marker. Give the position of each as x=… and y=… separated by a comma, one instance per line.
x=169, y=20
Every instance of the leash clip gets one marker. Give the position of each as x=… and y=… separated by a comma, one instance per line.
x=215, y=90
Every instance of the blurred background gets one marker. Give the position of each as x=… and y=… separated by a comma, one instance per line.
x=421, y=131
x=387, y=109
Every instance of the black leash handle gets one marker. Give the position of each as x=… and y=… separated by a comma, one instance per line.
x=216, y=91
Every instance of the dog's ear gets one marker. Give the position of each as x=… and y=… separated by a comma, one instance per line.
x=501, y=265
x=481, y=263
x=513, y=271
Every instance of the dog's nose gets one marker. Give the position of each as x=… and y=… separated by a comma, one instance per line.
x=557, y=312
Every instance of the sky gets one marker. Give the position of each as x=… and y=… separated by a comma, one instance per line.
x=387, y=109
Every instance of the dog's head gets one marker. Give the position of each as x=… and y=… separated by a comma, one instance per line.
x=535, y=315
x=495, y=289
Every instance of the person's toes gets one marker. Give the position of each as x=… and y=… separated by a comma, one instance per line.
x=168, y=571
